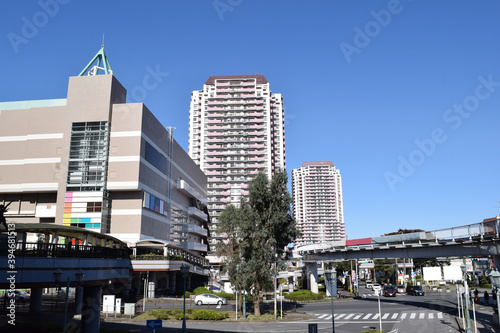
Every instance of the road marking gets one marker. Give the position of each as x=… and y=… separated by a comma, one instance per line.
x=386, y=316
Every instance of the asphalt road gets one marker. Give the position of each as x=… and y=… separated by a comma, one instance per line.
x=400, y=314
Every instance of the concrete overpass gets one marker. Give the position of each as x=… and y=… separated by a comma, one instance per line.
x=474, y=240
x=101, y=258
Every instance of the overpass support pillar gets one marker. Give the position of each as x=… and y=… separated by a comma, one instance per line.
x=78, y=299
x=312, y=277
x=172, y=280
x=91, y=309
x=36, y=300
x=496, y=261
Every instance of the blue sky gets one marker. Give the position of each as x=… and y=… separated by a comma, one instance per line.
x=402, y=96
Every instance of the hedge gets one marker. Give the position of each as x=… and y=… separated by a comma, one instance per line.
x=303, y=295
x=203, y=314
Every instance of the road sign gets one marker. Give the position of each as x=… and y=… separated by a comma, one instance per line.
x=153, y=323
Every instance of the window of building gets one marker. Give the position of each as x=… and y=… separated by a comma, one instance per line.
x=156, y=158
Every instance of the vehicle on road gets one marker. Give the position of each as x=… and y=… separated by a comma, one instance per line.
x=376, y=288
x=389, y=290
x=369, y=284
x=415, y=290
x=18, y=295
x=401, y=289
x=209, y=299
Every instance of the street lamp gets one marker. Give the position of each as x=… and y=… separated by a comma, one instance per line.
x=464, y=274
x=57, y=278
x=185, y=272
x=331, y=277
x=495, y=280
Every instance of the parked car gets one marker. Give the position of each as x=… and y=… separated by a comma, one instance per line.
x=209, y=299
x=369, y=284
x=376, y=287
x=415, y=290
x=389, y=290
x=18, y=295
x=400, y=289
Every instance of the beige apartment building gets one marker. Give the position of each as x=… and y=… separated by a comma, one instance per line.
x=93, y=161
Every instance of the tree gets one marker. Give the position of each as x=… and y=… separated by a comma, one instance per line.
x=258, y=231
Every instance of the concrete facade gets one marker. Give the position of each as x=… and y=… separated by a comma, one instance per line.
x=94, y=161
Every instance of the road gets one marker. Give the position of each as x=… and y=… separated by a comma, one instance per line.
x=400, y=314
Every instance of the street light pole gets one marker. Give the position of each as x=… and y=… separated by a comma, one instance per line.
x=331, y=278
x=464, y=272
x=495, y=280
x=57, y=278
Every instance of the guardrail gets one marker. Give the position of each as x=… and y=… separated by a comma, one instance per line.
x=25, y=249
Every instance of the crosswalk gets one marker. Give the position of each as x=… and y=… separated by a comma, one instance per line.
x=398, y=316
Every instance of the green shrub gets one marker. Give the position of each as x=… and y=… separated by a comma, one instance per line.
x=225, y=295
x=373, y=330
x=203, y=314
x=200, y=290
x=321, y=289
x=303, y=295
x=486, y=285
x=178, y=314
x=162, y=314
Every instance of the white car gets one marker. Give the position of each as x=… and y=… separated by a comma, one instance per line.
x=376, y=288
x=18, y=295
x=209, y=299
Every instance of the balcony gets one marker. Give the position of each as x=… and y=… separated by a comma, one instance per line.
x=194, y=246
x=188, y=190
x=194, y=229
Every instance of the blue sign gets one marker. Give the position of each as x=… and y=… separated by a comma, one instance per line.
x=153, y=323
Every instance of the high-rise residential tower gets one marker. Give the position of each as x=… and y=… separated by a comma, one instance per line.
x=236, y=130
x=318, y=202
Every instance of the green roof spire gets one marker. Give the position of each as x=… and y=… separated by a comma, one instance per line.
x=101, y=58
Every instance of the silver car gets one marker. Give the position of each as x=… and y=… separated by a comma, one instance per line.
x=209, y=299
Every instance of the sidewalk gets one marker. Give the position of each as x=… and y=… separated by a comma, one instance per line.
x=484, y=314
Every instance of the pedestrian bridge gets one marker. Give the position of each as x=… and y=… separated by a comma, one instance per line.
x=65, y=253
x=473, y=240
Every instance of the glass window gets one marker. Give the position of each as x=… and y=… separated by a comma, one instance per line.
x=154, y=157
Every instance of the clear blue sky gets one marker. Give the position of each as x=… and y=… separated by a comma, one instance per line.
x=403, y=97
